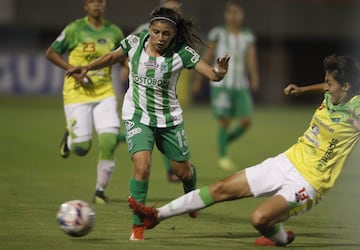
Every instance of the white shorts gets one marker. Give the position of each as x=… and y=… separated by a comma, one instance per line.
x=81, y=118
x=278, y=176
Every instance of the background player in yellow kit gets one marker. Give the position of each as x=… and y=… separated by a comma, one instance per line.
x=296, y=179
x=89, y=102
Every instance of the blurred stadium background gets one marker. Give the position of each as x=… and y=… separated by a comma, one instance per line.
x=293, y=37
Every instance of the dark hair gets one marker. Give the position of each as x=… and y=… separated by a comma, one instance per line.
x=165, y=1
x=184, y=26
x=344, y=69
x=233, y=3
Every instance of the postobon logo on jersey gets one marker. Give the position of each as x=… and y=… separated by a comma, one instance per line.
x=149, y=81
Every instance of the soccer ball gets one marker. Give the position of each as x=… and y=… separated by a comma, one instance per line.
x=76, y=218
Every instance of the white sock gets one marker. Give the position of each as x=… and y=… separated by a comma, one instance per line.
x=186, y=203
x=105, y=169
x=281, y=236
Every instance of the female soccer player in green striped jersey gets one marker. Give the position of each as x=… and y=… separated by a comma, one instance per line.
x=90, y=103
x=231, y=100
x=296, y=179
x=151, y=111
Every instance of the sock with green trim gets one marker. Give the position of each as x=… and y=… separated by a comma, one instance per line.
x=277, y=234
x=194, y=200
x=138, y=190
x=106, y=163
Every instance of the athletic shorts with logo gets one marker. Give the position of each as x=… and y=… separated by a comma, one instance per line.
x=81, y=118
x=278, y=176
x=170, y=141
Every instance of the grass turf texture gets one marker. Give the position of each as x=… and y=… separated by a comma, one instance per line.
x=35, y=180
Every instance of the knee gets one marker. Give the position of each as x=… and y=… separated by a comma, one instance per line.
x=259, y=219
x=219, y=191
x=108, y=143
x=245, y=122
x=81, y=148
x=184, y=170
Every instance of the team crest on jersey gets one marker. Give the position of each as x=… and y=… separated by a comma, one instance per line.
x=336, y=116
x=129, y=125
x=151, y=64
x=164, y=68
x=101, y=40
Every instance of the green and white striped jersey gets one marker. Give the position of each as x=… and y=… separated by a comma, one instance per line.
x=151, y=97
x=235, y=45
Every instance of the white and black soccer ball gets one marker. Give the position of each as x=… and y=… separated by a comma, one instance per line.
x=76, y=218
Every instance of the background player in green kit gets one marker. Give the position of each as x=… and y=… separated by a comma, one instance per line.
x=296, y=179
x=151, y=111
x=89, y=101
x=231, y=98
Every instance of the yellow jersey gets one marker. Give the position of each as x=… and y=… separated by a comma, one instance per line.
x=85, y=43
x=320, y=153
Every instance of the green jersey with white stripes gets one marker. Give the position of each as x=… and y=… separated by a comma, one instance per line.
x=235, y=45
x=151, y=97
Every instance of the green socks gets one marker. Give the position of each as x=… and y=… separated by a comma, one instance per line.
x=138, y=190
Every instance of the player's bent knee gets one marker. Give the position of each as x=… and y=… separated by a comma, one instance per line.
x=259, y=220
x=219, y=192
x=81, y=148
x=108, y=143
x=245, y=123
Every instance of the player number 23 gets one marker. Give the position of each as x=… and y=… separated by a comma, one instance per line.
x=89, y=47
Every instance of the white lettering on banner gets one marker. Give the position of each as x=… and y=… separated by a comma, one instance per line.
x=31, y=73
x=5, y=75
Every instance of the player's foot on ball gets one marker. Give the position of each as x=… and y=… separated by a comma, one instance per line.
x=148, y=215
x=226, y=164
x=263, y=241
x=137, y=233
x=100, y=197
x=64, y=149
x=172, y=177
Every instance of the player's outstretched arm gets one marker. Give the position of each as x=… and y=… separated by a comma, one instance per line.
x=102, y=62
x=293, y=89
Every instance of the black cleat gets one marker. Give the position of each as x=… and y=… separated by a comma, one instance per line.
x=64, y=149
x=100, y=197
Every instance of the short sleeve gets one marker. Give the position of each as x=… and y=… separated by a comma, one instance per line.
x=189, y=57
x=213, y=35
x=63, y=42
x=131, y=41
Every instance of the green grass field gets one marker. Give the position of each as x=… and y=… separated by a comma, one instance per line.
x=35, y=180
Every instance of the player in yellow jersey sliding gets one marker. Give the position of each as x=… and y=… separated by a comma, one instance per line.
x=90, y=102
x=296, y=179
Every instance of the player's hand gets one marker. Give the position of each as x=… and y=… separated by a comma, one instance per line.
x=78, y=70
x=222, y=64
x=292, y=89
x=82, y=80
